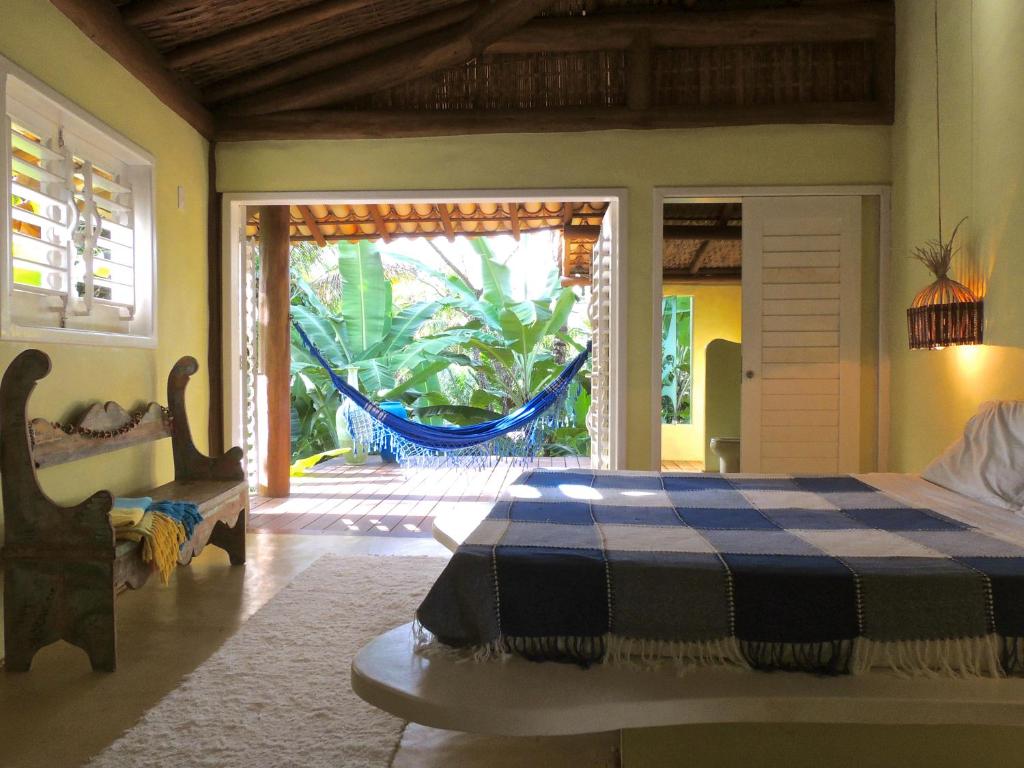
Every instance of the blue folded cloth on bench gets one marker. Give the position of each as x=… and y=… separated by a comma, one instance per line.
x=185, y=512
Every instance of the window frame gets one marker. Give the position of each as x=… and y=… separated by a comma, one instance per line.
x=141, y=330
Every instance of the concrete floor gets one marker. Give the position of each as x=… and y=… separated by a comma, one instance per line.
x=61, y=713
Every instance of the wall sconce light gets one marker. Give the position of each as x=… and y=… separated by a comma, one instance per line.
x=946, y=313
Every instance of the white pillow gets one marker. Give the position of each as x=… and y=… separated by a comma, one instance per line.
x=987, y=463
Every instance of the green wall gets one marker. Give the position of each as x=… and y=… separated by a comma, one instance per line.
x=935, y=392
x=637, y=161
x=38, y=38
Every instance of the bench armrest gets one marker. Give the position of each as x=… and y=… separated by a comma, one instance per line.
x=189, y=462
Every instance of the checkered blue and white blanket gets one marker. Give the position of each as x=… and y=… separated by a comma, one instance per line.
x=820, y=574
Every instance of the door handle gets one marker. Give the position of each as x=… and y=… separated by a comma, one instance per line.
x=749, y=374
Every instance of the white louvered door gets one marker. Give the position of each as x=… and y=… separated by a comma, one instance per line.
x=801, y=334
x=599, y=418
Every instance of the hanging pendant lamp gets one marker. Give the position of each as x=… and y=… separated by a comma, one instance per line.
x=946, y=313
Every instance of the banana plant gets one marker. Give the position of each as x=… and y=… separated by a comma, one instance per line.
x=676, y=349
x=509, y=340
x=383, y=349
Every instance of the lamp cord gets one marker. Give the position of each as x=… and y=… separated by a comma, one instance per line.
x=938, y=128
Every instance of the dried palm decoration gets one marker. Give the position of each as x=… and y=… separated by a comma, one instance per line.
x=946, y=313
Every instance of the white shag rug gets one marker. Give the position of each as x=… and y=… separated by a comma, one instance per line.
x=277, y=693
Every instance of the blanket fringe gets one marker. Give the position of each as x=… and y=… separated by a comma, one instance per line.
x=989, y=656
x=1011, y=655
x=829, y=657
x=961, y=657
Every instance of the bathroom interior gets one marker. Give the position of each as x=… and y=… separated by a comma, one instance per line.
x=701, y=334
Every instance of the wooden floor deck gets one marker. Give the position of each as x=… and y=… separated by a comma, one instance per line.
x=377, y=499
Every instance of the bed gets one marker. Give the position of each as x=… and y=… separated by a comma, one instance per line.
x=904, y=601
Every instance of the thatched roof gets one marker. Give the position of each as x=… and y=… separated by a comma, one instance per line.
x=716, y=253
x=243, y=69
x=701, y=240
x=579, y=223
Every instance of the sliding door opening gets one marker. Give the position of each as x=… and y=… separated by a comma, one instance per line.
x=772, y=356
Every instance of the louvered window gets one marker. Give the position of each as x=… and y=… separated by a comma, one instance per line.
x=79, y=258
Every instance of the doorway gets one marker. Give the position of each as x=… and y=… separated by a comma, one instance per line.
x=581, y=245
x=795, y=378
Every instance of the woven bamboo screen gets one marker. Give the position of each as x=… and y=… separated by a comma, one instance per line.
x=765, y=74
x=514, y=81
x=681, y=77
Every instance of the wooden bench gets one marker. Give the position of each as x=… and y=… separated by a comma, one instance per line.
x=62, y=565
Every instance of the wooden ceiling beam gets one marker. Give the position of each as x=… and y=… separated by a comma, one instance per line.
x=396, y=65
x=716, y=276
x=100, y=21
x=335, y=54
x=696, y=29
x=145, y=11
x=714, y=232
x=353, y=124
x=258, y=32
x=312, y=225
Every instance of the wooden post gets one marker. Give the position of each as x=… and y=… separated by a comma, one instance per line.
x=276, y=338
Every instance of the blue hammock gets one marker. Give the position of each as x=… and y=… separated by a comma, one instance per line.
x=517, y=434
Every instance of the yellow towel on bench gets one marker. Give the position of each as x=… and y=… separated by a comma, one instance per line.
x=126, y=518
x=161, y=539
x=163, y=546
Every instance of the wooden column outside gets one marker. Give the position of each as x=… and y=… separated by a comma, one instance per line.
x=274, y=376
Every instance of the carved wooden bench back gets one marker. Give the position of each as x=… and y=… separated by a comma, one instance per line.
x=101, y=428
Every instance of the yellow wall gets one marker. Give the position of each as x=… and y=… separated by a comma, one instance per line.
x=935, y=392
x=635, y=160
x=38, y=38
x=717, y=314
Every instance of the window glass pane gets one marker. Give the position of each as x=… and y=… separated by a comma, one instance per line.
x=676, y=359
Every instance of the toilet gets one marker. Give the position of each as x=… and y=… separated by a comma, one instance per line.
x=727, y=449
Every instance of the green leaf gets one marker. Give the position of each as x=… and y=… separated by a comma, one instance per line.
x=461, y=415
x=365, y=296
x=484, y=398
x=419, y=375
x=501, y=355
x=563, y=305
x=407, y=322
x=326, y=333
x=375, y=377
x=515, y=332
x=497, y=278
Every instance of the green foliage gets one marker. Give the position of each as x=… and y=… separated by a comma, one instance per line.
x=472, y=355
x=676, y=359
